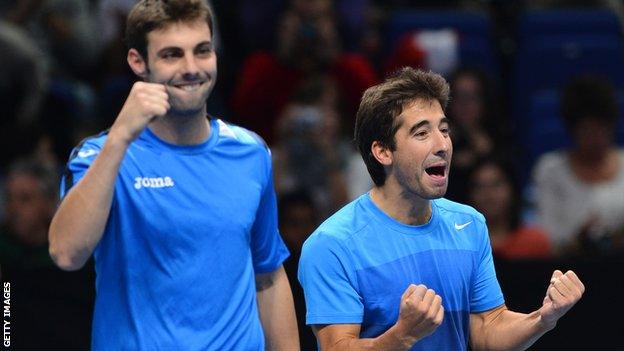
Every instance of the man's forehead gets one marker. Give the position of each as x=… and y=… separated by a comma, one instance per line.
x=421, y=109
x=179, y=33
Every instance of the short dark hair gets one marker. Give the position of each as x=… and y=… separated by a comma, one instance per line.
x=149, y=15
x=381, y=104
x=589, y=97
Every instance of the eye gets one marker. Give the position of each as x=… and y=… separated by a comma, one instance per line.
x=421, y=133
x=170, y=55
x=204, y=50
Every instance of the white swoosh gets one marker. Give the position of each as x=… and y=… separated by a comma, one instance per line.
x=87, y=153
x=461, y=226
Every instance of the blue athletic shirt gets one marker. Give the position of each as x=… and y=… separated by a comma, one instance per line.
x=357, y=264
x=189, y=228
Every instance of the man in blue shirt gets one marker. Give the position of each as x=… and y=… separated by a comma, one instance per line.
x=401, y=268
x=178, y=209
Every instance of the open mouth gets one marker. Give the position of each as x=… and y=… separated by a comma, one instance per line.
x=436, y=171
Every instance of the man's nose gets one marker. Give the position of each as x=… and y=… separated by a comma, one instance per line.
x=190, y=65
x=442, y=143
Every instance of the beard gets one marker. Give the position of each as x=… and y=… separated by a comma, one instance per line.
x=186, y=108
x=415, y=186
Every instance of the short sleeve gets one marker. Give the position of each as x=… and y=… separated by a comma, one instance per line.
x=267, y=247
x=329, y=283
x=79, y=162
x=486, y=293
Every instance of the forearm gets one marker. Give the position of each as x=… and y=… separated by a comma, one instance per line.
x=80, y=220
x=421, y=313
x=277, y=311
x=391, y=340
x=509, y=331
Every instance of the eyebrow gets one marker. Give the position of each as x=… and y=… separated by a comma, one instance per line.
x=177, y=48
x=204, y=43
x=426, y=122
x=167, y=49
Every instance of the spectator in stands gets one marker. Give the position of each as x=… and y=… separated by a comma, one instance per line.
x=50, y=307
x=311, y=152
x=494, y=192
x=579, y=190
x=23, y=83
x=478, y=128
x=31, y=196
x=308, y=45
x=59, y=30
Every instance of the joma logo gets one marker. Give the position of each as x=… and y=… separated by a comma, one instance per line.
x=158, y=182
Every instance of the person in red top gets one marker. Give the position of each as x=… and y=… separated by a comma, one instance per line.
x=493, y=191
x=308, y=45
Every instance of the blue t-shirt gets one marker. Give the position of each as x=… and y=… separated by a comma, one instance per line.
x=189, y=228
x=357, y=264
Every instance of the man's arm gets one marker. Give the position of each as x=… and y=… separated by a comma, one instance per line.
x=421, y=313
x=277, y=311
x=79, y=222
x=502, y=329
x=336, y=337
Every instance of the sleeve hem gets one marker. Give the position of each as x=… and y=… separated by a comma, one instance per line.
x=271, y=266
x=334, y=319
x=487, y=305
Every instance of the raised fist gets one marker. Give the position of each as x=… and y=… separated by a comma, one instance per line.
x=145, y=102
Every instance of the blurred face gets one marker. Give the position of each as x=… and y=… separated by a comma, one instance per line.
x=467, y=103
x=491, y=192
x=28, y=210
x=181, y=56
x=593, y=138
x=423, y=152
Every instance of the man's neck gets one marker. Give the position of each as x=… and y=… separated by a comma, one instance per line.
x=405, y=208
x=181, y=130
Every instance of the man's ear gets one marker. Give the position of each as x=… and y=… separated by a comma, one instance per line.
x=381, y=153
x=137, y=63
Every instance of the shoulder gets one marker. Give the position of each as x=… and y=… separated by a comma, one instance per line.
x=89, y=147
x=337, y=230
x=232, y=133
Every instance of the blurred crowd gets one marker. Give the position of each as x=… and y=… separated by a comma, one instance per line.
x=293, y=71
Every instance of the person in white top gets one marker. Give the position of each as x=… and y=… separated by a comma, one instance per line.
x=580, y=190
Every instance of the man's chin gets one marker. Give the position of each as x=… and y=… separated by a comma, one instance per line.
x=436, y=194
x=186, y=112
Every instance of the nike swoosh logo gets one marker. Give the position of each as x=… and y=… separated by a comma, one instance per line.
x=87, y=153
x=461, y=226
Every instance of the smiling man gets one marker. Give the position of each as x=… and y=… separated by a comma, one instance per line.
x=401, y=268
x=177, y=207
